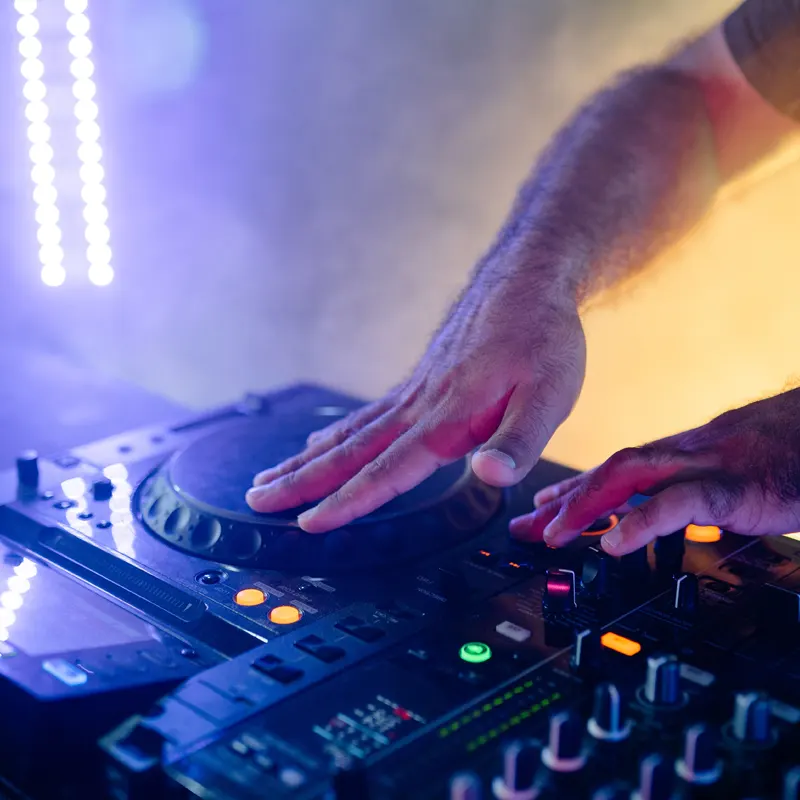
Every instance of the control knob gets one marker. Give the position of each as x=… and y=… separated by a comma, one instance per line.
x=607, y=722
x=559, y=591
x=465, y=786
x=662, y=686
x=751, y=723
x=685, y=594
x=520, y=763
x=596, y=571
x=102, y=489
x=28, y=470
x=791, y=784
x=564, y=751
x=656, y=780
x=669, y=551
x=698, y=763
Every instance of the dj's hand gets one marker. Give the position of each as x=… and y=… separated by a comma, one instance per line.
x=503, y=371
x=740, y=472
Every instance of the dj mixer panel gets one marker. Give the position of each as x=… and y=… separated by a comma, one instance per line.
x=158, y=639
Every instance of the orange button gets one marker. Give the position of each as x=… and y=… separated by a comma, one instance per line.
x=613, y=641
x=705, y=534
x=284, y=615
x=249, y=597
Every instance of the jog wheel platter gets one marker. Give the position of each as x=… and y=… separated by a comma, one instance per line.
x=195, y=501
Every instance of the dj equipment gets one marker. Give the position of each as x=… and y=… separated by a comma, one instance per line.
x=158, y=639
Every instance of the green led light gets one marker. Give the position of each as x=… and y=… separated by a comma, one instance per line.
x=475, y=652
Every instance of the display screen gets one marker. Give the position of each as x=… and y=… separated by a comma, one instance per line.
x=44, y=613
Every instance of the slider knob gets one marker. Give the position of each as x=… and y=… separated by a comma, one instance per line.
x=586, y=651
x=596, y=571
x=520, y=763
x=686, y=594
x=607, y=722
x=751, y=718
x=559, y=591
x=662, y=686
x=656, y=780
x=28, y=470
x=699, y=764
x=465, y=786
x=564, y=751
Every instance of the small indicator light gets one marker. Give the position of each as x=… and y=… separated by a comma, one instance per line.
x=613, y=641
x=475, y=652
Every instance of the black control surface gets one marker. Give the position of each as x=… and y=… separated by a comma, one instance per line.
x=420, y=653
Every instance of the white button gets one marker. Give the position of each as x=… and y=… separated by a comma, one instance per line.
x=513, y=631
x=785, y=712
x=696, y=675
x=65, y=672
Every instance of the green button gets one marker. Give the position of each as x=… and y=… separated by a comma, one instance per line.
x=475, y=652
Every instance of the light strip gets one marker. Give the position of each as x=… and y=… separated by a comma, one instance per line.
x=93, y=192
x=51, y=254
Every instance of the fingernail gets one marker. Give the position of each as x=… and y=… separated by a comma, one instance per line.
x=549, y=533
x=306, y=517
x=613, y=537
x=504, y=458
x=254, y=494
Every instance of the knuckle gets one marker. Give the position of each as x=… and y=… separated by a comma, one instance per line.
x=377, y=470
x=622, y=459
x=643, y=517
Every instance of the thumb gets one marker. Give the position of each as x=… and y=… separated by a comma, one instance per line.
x=511, y=453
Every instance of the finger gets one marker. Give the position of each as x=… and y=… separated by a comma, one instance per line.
x=329, y=437
x=612, y=484
x=338, y=430
x=329, y=471
x=556, y=490
x=670, y=510
x=401, y=467
x=530, y=527
x=531, y=418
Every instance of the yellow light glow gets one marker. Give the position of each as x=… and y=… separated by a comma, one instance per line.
x=249, y=597
x=613, y=641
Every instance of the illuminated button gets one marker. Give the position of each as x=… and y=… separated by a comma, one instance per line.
x=284, y=615
x=65, y=672
x=601, y=526
x=475, y=652
x=613, y=641
x=253, y=597
x=703, y=534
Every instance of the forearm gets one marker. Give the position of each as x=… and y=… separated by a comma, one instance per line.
x=631, y=173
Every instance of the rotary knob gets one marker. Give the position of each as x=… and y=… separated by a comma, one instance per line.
x=559, y=591
x=662, y=685
x=656, y=780
x=698, y=764
x=28, y=470
x=608, y=722
x=465, y=786
x=752, y=724
x=102, y=489
x=686, y=593
x=596, y=571
x=564, y=751
x=520, y=763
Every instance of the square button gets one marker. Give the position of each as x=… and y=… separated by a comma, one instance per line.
x=360, y=629
x=317, y=647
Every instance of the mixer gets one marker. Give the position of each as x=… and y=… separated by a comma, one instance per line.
x=160, y=639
